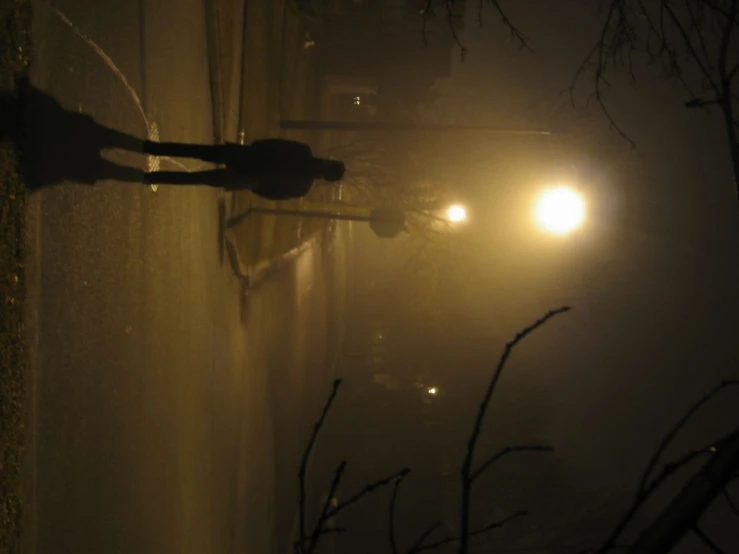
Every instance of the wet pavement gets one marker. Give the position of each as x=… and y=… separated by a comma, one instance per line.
x=166, y=416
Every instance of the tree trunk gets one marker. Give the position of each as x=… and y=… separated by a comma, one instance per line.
x=683, y=513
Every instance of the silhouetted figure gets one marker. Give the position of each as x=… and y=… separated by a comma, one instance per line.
x=275, y=169
x=58, y=145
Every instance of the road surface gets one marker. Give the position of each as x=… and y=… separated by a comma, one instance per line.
x=163, y=411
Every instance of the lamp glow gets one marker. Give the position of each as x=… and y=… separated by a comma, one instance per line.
x=560, y=210
x=456, y=213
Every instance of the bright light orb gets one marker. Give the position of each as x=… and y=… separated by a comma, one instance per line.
x=432, y=391
x=560, y=210
x=456, y=213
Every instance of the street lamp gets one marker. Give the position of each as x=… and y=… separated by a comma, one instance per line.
x=560, y=210
x=456, y=213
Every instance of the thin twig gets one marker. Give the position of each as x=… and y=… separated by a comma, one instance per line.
x=472, y=443
x=326, y=531
x=668, y=470
x=649, y=485
x=705, y=70
x=705, y=539
x=450, y=22
x=491, y=526
x=306, y=457
x=730, y=502
x=678, y=34
x=603, y=55
x=366, y=490
x=684, y=420
x=701, y=103
x=426, y=534
x=391, y=515
x=726, y=92
x=515, y=32
x=322, y=518
x=426, y=12
x=507, y=450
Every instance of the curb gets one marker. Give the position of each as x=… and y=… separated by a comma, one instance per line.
x=264, y=269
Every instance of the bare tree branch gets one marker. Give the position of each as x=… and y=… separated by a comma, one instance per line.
x=426, y=534
x=322, y=518
x=449, y=4
x=733, y=72
x=326, y=531
x=644, y=494
x=391, y=523
x=726, y=93
x=491, y=526
x=515, y=32
x=683, y=513
x=696, y=19
x=306, y=457
x=730, y=502
x=688, y=43
x=700, y=103
x=507, y=450
x=426, y=12
x=720, y=10
x=681, y=423
x=599, y=57
x=649, y=484
x=472, y=443
x=366, y=490
x=692, y=39
x=705, y=539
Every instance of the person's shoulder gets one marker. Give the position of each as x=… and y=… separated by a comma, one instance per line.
x=282, y=144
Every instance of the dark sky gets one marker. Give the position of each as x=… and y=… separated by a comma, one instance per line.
x=654, y=290
x=652, y=278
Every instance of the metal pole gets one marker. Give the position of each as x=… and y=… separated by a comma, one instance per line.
x=311, y=213
x=389, y=126
x=234, y=221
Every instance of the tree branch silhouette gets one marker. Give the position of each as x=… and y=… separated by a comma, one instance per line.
x=489, y=527
x=448, y=6
x=466, y=473
x=681, y=423
x=732, y=505
x=684, y=511
x=323, y=517
x=508, y=450
x=327, y=512
x=425, y=535
x=705, y=539
x=649, y=483
x=306, y=457
x=391, y=515
x=687, y=37
x=368, y=489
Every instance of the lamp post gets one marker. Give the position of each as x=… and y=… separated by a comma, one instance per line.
x=385, y=221
x=402, y=127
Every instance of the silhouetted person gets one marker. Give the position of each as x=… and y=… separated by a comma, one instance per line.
x=59, y=145
x=275, y=169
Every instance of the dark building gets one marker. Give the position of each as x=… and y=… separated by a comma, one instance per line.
x=391, y=50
